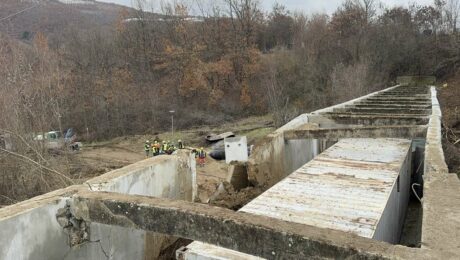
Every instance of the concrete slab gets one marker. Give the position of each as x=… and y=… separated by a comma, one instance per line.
x=383, y=110
x=408, y=132
x=269, y=238
x=353, y=119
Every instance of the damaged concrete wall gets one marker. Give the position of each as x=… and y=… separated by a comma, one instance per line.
x=34, y=234
x=172, y=177
x=29, y=230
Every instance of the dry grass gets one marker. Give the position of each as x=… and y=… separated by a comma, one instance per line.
x=449, y=97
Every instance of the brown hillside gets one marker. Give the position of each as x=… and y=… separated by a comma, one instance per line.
x=22, y=19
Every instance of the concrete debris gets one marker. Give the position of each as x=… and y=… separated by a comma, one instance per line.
x=76, y=228
x=228, y=197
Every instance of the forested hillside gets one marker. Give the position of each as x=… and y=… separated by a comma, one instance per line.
x=123, y=76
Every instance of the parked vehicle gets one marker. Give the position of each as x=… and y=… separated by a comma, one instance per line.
x=55, y=140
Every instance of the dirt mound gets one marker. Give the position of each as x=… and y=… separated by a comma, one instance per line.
x=232, y=199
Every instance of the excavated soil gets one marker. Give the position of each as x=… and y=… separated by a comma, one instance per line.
x=97, y=160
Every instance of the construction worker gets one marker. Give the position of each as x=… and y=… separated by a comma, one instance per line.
x=164, y=147
x=180, y=145
x=201, y=155
x=147, y=148
x=155, y=148
x=171, y=149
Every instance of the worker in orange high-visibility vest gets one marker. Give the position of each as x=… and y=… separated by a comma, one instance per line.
x=201, y=156
x=155, y=148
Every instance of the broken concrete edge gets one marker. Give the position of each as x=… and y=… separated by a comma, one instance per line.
x=54, y=197
x=408, y=132
x=50, y=198
x=441, y=199
x=140, y=177
x=97, y=182
x=270, y=238
x=61, y=231
x=110, y=176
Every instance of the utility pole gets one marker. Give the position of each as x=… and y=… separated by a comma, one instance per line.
x=172, y=122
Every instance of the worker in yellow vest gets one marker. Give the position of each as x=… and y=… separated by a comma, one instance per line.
x=147, y=148
x=164, y=147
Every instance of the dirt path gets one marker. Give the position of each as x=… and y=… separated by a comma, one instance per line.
x=110, y=155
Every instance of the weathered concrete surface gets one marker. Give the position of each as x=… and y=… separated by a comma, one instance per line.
x=278, y=155
x=353, y=119
x=110, y=242
x=29, y=230
x=269, y=238
x=385, y=110
x=356, y=177
x=389, y=105
x=238, y=175
x=441, y=201
x=171, y=176
x=265, y=165
x=162, y=176
x=236, y=149
x=409, y=132
x=273, y=158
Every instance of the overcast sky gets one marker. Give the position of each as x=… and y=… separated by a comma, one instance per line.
x=307, y=6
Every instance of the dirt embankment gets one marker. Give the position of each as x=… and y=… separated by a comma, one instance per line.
x=449, y=97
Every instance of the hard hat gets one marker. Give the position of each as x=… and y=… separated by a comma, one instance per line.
x=201, y=148
x=164, y=142
x=147, y=141
x=179, y=140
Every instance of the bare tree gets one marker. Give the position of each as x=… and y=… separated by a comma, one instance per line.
x=452, y=9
